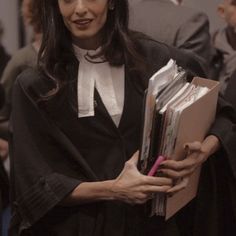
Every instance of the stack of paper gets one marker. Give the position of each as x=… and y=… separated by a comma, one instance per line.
x=177, y=113
x=157, y=83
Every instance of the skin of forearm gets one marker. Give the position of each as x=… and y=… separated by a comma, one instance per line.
x=211, y=144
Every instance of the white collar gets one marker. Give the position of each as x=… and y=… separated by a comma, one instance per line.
x=82, y=54
x=96, y=73
x=175, y=2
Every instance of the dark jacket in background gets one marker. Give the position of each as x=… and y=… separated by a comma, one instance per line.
x=4, y=58
x=223, y=61
x=230, y=94
x=178, y=26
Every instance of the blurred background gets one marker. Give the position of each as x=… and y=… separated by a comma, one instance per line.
x=16, y=36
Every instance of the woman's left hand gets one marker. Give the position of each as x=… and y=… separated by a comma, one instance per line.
x=196, y=154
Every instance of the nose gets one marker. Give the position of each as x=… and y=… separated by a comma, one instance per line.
x=81, y=8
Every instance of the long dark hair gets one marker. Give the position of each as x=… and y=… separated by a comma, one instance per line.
x=56, y=56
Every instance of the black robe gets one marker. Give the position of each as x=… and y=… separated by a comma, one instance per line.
x=53, y=151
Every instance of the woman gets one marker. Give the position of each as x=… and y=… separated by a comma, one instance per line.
x=79, y=117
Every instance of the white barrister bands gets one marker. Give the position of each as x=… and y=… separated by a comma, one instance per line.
x=108, y=80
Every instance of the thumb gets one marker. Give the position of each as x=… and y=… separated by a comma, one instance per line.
x=134, y=159
x=194, y=146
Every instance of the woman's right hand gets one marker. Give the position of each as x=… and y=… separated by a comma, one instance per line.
x=130, y=186
x=134, y=188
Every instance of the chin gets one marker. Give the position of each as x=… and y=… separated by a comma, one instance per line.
x=83, y=33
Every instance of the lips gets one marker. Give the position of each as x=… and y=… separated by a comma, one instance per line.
x=82, y=22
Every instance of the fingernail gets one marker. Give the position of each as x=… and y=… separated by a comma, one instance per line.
x=186, y=147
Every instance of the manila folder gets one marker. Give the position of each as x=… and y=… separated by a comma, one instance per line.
x=194, y=124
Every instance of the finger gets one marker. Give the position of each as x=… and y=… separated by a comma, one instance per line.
x=180, y=186
x=158, y=189
x=193, y=146
x=150, y=180
x=177, y=174
x=134, y=159
x=183, y=164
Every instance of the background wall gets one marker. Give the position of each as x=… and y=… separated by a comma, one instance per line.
x=9, y=17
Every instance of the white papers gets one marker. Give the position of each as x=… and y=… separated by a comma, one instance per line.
x=156, y=83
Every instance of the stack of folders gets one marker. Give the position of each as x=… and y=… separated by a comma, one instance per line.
x=175, y=112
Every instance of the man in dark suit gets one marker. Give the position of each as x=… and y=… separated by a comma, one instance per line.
x=170, y=22
x=224, y=41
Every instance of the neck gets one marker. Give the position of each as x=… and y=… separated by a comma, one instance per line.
x=231, y=36
x=87, y=43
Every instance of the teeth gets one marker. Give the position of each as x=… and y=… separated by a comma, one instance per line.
x=83, y=22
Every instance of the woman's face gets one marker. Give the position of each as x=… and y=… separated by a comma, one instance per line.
x=85, y=20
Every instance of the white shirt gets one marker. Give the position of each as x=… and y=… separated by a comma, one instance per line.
x=176, y=2
x=108, y=80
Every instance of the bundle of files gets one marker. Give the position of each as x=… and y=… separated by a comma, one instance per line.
x=175, y=112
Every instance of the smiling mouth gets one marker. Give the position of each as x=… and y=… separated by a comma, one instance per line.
x=83, y=22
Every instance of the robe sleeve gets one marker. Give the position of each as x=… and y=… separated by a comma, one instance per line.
x=224, y=128
x=41, y=171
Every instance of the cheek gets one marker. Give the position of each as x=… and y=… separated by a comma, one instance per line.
x=102, y=18
x=65, y=10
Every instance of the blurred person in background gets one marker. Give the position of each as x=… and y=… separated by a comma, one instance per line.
x=4, y=190
x=27, y=56
x=170, y=22
x=4, y=56
x=21, y=60
x=224, y=41
x=4, y=183
x=230, y=94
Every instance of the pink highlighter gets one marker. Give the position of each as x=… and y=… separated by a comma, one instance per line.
x=154, y=168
